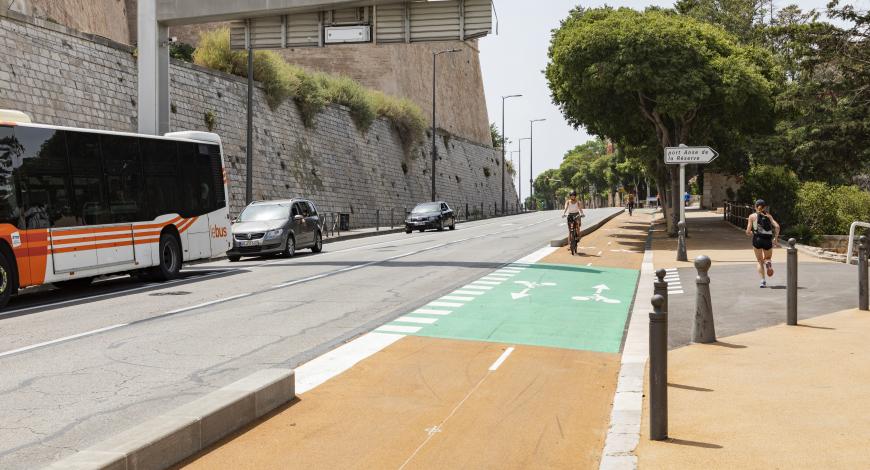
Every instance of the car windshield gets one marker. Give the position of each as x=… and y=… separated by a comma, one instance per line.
x=427, y=207
x=261, y=212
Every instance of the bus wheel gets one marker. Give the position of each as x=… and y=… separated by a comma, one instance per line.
x=73, y=284
x=169, y=263
x=6, y=274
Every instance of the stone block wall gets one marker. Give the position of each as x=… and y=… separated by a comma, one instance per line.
x=716, y=187
x=63, y=77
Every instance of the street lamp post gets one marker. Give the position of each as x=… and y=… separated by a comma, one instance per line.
x=503, y=142
x=520, y=167
x=532, y=155
x=434, y=149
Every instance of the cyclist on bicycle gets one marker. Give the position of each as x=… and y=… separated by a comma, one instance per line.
x=574, y=211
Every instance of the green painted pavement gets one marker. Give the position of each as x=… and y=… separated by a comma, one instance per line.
x=552, y=305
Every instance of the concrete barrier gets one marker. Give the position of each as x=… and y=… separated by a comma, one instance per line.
x=585, y=230
x=172, y=437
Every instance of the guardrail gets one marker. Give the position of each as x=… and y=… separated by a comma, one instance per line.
x=851, y=247
x=736, y=213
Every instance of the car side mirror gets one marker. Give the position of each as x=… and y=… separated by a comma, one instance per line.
x=298, y=217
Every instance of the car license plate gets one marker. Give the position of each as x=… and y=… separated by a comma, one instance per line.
x=249, y=242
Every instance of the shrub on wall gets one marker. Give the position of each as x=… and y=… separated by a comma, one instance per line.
x=311, y=91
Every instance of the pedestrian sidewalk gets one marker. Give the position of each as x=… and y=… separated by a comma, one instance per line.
x=766, y=395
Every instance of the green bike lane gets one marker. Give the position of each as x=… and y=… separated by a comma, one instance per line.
x=541, y=304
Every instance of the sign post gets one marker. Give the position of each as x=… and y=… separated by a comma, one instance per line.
x=683, y=156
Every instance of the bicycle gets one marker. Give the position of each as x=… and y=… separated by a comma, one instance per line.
x=573, y=232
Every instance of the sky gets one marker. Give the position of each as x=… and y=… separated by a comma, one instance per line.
x=513, y=61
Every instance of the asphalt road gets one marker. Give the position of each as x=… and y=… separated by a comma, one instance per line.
x=83, y=366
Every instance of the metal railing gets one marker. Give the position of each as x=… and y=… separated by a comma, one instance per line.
x=737, y=213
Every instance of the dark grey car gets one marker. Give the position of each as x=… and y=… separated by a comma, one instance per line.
x=426, y=215
x=276, y=228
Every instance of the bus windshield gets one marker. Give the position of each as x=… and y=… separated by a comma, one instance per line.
x=263, y=212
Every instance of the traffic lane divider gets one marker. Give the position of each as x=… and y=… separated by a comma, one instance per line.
x=172, y=437
x=436, y=403
x=585, y=230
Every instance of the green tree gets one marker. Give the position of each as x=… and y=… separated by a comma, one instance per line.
x=643, y=77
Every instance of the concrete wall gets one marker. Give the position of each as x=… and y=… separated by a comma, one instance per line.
x=716, y=189
x=107, y=18
x=62, y=77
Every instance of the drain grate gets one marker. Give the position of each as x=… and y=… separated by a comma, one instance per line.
x=174, y=292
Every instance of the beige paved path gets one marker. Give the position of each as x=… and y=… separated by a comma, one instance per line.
x=782, y=397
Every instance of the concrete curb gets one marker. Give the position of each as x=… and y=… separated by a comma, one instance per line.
x=586, y=231
x=172, y=437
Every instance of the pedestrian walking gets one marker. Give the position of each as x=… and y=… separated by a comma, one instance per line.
x=686, y=199
x=764, y=231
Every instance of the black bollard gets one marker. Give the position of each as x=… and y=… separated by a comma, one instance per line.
x=863, y=300
x=660, y=287
x=681, y=242
x=658, y=370
x=791, y=282
x=703, y=331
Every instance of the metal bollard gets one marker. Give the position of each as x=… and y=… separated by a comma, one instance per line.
x=481, y=209
x=863, y=300
x=681, y=242
x=392, y=219
x=703, y=330
x=466, y=212
x=791, y=282
x=658, y=370
x=377, y=220
x=660, y=287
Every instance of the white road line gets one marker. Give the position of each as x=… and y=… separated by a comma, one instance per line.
x=472, y=286
x=60, y=340
x=466, y=292
x=319, y=370
x=430, y=311
x=599, y=253
x=206, y=304
x=495, y=365
x=672, y=278
x=487, y=283
x=675, y=292
x=399, y=329
x=445, y=304
x=457, y=297
x=498, y=277
x=425, y=321
x=588, y=264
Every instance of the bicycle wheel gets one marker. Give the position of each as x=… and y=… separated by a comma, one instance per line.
x=573, y=242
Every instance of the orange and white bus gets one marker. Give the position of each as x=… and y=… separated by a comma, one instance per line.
x=80, y=203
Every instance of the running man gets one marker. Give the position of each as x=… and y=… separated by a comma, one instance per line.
x=574, y=211
x=765, y=235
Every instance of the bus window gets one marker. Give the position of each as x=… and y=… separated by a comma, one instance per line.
x=196, y=169
x=123, y=170
x=87, y=183
x=160, y=161
x=43, y=179
x=217, y=173
x=10, y=153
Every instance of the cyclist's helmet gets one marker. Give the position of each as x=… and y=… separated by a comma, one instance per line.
x=761, y=203
x=573, y=193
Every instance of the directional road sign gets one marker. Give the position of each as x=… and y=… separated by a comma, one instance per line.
x=686, y=155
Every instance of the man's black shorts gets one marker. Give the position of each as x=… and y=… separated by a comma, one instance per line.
x=762, y=242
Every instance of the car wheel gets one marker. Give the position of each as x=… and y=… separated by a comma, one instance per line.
x=407, y=230
x=453, y=224
x=440, y=225
x=169, y=262
x=234, y=259
x=422, y=230
x=73, y=284
x=318, y=243
x=290, y=248
x=6, y=280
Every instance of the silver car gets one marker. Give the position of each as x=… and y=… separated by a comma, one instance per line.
x=276, y=228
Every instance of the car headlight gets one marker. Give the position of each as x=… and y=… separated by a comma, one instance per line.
x=273, y=234
x=433, y=218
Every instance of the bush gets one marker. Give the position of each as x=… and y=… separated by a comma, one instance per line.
x=827, y=210
x=777, y=185
x=311, y=91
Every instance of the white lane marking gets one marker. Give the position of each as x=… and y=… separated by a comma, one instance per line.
x=507, y=352
x=398, y=329
x=430, y=311
x=533, y=257
x=206, y=304
x=60, y=340
x=319, y=370
x=123, y=291
x=671, y=270
x=498, y=277
x=588, y=264
x=599, y=253
x=675, y=292
x=425, y=321
x=466, y=292
x=457, y=297
x=487, y=283
x=472, y=286
x=445, y=304
x=672, y=278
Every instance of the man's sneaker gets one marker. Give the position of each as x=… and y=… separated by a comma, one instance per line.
x=763, y=284
x=769, y=266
